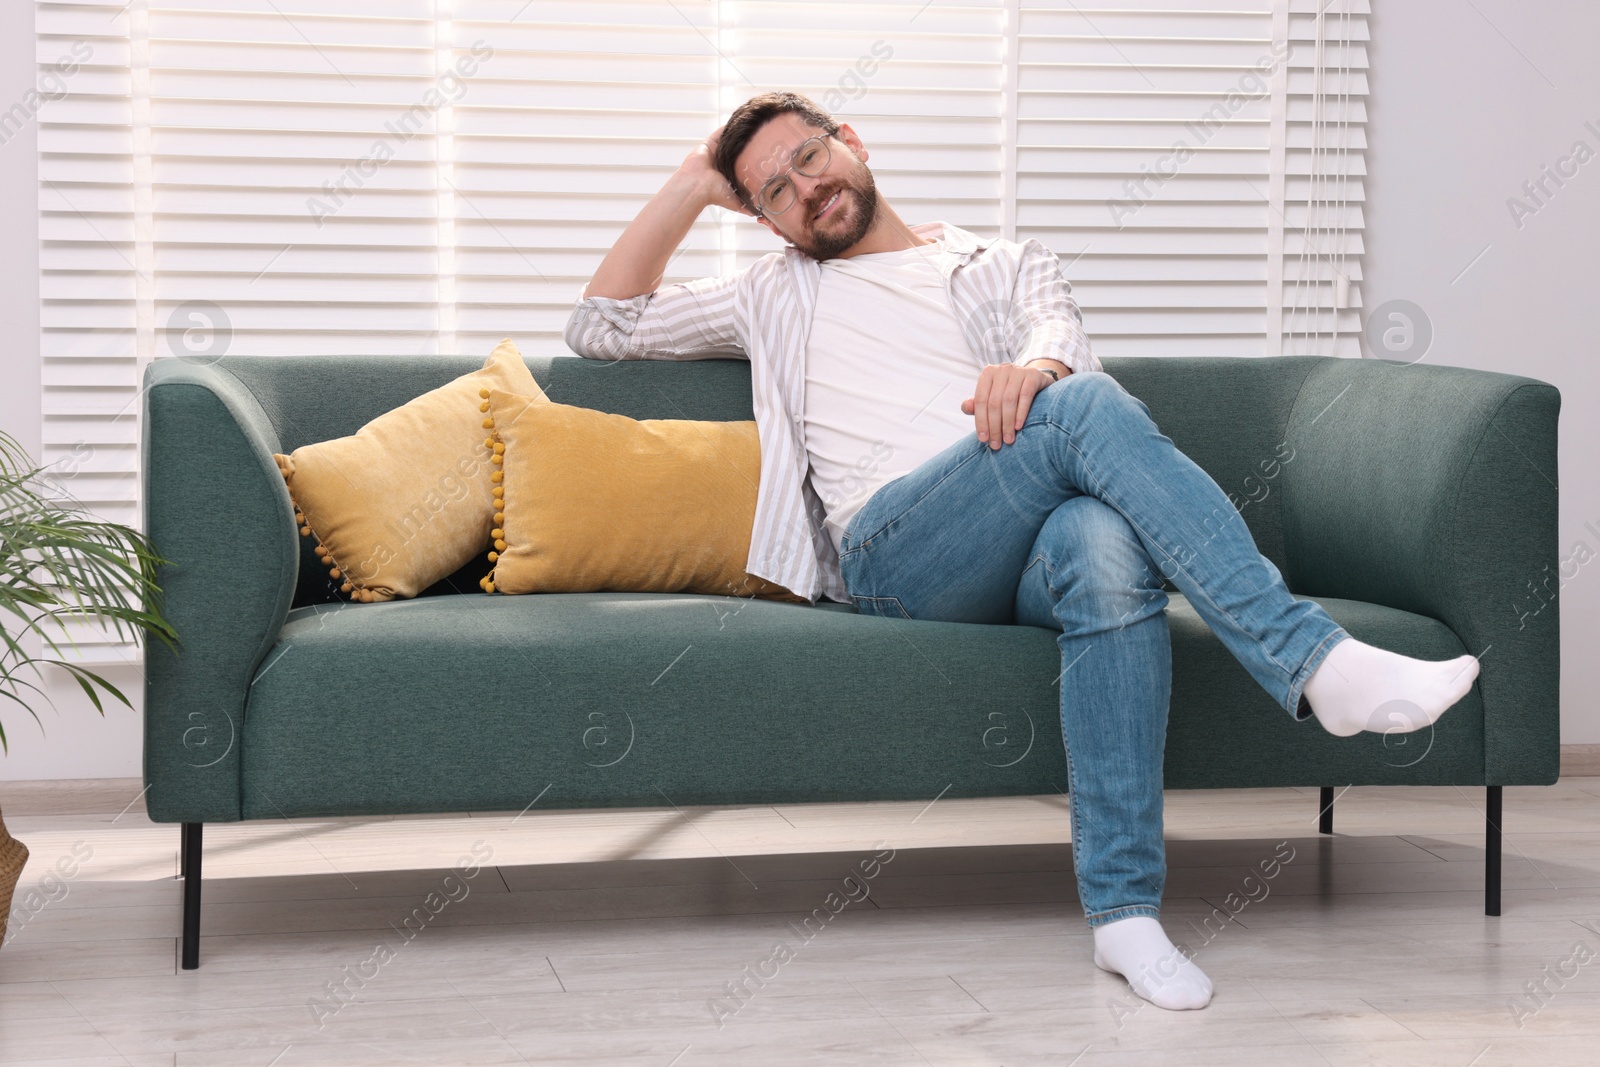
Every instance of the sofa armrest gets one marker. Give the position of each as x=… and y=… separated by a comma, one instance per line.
x=1433, y=490
x=216, y=506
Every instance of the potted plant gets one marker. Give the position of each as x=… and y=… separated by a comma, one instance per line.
x=58, y=564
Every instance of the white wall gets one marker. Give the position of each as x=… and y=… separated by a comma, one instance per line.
x=1463, y=112
x=1465, y=107
x=74, y=742
x=19, y=267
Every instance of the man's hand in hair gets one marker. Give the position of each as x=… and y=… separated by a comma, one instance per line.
x=700, y=167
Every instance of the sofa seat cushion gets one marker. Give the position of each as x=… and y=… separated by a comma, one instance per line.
x=473, y=703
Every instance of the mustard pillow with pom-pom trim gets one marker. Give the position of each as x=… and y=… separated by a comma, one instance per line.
x=586, y=501
x=403, y=502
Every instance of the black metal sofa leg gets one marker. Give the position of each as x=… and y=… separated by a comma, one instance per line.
x=1491, y=843
x=189, y=865
x=1491, y=853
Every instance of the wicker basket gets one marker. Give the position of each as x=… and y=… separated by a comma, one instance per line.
x=13, y=855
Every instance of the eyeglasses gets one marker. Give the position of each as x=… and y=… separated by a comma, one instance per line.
x=810, y=159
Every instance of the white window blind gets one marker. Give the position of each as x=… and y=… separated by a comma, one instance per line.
x=1324, y=177
x=1152, y=142
x=412, y=176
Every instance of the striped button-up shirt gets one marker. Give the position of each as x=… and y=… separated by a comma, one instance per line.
x=1011, y=299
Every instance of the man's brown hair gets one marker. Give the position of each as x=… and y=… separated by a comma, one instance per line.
x=749, y=117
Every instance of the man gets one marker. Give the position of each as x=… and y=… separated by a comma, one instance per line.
x=938, y=442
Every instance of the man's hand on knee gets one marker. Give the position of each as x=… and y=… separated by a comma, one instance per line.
x=1003, y=395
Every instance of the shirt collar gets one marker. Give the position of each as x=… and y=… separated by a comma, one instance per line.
x=960, y=244
x=805, y=273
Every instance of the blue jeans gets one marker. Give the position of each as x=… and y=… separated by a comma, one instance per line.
x=1075, y=526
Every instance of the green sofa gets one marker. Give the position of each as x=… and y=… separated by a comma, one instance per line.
x=1416, y=503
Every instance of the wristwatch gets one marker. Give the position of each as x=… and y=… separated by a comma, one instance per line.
x=1054, y=377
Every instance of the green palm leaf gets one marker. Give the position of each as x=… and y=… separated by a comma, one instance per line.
x=60, y=566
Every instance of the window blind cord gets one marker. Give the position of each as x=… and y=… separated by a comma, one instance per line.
x=1302, y=264
x=1337, y=208
x=1305, y=264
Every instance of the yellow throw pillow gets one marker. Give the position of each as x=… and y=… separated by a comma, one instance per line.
x=401, y=503
x=592, y=501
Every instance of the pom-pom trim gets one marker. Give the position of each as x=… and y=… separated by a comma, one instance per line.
x=496, y=450
x=338, y=577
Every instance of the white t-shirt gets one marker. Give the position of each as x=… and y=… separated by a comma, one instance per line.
x=887, y=367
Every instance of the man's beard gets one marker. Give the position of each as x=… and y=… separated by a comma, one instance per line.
x=828, y=243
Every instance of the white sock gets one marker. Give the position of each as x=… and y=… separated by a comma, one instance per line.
x=1358, y=687
x=1138, y=949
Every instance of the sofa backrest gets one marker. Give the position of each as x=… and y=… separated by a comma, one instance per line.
x=1229, y=415
x=318, y=398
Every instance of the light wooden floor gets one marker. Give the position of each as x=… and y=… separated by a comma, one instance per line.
x=1367, y=948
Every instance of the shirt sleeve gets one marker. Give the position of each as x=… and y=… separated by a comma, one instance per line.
x=1050, y=323
x=685, y=320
